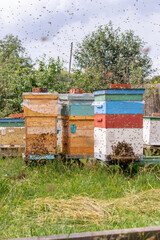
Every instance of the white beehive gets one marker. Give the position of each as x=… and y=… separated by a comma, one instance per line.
x=106, y=138
x=151, y=131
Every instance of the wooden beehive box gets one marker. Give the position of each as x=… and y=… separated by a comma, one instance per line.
x=118, y=123
x=41, y=111
x=76, y=104
x=77, y=135
x=12, y=132
x=151, y=131
x=77, y=129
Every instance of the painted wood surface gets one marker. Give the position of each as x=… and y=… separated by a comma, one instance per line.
x=42, y=122
x=12, y=136
x=12, y=123
x=29, y=95
x=118, y=120
x=105, y=139
x=41, y=144
x=118, y=107
x=84, y=128
x=41, y=135
x=81, y=140
x=72, y=97
x=40, y=110
x=39, y=104
x=118, y=97
x=119, y=91
x=77, y=118
x=77, y=150
x=77, y=110
x=151, y=131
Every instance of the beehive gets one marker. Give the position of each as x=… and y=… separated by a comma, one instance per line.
x=77, y=129
x=151, y=131
x=12, y=133
x=118, y=123
x=41, y=111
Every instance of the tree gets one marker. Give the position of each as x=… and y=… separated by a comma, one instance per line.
x=15, y=74
x=18, y=74
x=51, y=74
x=116, y=57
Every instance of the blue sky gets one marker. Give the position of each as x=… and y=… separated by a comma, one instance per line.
x=61, y=22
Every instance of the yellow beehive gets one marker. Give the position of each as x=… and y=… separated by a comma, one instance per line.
x=12, y=136
x=41, y=111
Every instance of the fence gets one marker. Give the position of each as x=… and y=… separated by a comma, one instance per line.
x=152, y=99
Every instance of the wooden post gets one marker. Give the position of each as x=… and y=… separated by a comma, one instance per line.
x=70, y=62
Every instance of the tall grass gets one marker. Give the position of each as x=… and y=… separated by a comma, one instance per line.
x=56, y=198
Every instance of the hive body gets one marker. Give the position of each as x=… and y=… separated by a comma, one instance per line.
x=41, y=111
x=12, y=133
x=118, y=123
x=77, y=128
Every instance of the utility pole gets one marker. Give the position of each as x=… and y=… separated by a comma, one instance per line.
x=69, y=73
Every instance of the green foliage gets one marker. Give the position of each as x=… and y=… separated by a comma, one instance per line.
x=155, y=79
x=19, y=74
x=51, y=74
x=116, y=57
x=15, y=72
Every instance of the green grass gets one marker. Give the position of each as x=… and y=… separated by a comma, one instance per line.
x=56, y=198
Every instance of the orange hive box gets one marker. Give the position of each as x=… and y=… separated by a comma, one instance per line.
x=77, y=135
x=41, y=111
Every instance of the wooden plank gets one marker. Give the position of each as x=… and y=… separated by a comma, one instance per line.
x=41, y=144
x=12, y=135
x=11, y=151
x=120, y=86
x=77, y=118
x=121, y=234
x=118, y=107
x=78, y=150
x=156, y=115
x=40, y=96
x=41, y=110
x=78, y=141
x=84, y=128
x=151, y=131
x=78, y=133
x=72, y=97
x=118, y=97
x=40, y=105
x=77, y=110
x=79, y=156
x=152, y=99
x=119, y=91
x=11, y=122
x=42, y=122
x=41, y=130
x=118, y=120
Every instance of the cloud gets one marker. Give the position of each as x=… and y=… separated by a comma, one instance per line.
x=61, y=22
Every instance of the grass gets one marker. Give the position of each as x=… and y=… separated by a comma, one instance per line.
x=56, y=198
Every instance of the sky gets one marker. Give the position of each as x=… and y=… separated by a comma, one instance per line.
x=49, y=26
